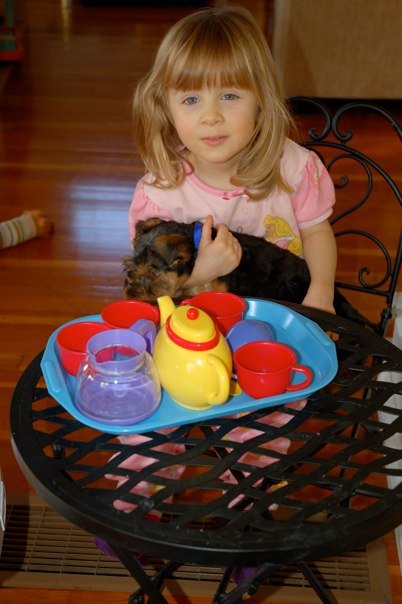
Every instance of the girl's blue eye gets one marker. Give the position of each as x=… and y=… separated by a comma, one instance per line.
x=230, y=96
x=191, y=100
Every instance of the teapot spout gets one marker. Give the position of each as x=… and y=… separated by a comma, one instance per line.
x=166, y=308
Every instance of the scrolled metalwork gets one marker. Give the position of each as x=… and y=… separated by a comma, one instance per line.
x=365, y=270
x=361, y=105
x=345, y=181
x=314, y=134
x=331, y=139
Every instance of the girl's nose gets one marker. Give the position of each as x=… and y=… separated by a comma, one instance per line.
x=212, y=114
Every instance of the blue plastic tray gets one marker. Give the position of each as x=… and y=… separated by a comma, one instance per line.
x=312, y=346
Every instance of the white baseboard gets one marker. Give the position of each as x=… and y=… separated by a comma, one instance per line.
x=395, y=442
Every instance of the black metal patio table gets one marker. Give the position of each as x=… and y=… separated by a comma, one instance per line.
x=327, y=494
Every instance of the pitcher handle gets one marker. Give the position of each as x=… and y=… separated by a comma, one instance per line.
x=222, y=393
x=146, y=329
x=306, y=371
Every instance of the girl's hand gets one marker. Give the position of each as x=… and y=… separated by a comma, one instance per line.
x=216, y=257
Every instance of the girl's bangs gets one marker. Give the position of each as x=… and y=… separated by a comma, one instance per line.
x=209, y=66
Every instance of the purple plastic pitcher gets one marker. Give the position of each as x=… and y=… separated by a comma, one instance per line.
x=117, y=383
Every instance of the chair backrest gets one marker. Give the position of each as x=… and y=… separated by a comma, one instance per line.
x=368, y=198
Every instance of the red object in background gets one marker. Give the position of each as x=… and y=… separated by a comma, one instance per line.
x=10, y=44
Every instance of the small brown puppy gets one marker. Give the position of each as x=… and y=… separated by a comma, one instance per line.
x=164, y=254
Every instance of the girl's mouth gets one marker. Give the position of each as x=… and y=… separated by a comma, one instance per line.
x=214, y=141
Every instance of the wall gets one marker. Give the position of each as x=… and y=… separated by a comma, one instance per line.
x=339, y=48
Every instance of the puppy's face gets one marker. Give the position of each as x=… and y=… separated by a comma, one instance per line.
x=162, y=261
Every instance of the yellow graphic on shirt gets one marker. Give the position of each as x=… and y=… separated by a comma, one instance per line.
x=279, y=232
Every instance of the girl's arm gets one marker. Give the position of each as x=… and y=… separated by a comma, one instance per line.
x=216, y=257
x=319, y=250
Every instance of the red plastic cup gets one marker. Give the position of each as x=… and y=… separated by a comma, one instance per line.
x=266, y=369
x=72, y=341
x=122, y=314
x=224, y=308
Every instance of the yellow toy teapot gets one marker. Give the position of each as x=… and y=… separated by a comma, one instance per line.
x=192, y=356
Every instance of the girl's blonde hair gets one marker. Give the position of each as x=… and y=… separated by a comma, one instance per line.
x=212, y=47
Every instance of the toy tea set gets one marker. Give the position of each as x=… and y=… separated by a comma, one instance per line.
x=215, y=354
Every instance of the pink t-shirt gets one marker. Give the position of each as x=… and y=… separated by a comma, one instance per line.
x=279, y=217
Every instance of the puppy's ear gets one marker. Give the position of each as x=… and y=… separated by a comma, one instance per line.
x=175, y=250
x=143, y=226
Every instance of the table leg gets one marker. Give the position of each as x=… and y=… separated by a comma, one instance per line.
x=315, y=584
x=149, y=585
x=249, y=587
x=246, y=588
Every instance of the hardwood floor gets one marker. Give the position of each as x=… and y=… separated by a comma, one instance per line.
x=66, y=148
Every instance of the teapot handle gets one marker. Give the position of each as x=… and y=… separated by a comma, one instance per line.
x=222, y=393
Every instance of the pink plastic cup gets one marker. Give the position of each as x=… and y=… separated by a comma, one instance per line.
x=266, y=369
x=72, y=340
x=225, y=308
x=124, y=313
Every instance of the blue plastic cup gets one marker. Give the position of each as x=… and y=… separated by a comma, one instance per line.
x=248, y=330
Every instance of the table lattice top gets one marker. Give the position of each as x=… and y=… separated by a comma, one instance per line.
x=203, y=495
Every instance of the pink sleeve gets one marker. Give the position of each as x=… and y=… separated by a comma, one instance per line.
x=142, y=208
x=314, y=194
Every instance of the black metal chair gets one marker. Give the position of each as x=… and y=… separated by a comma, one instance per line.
x=331, y=138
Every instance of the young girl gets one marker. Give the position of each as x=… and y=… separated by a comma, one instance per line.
x=211, y=127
